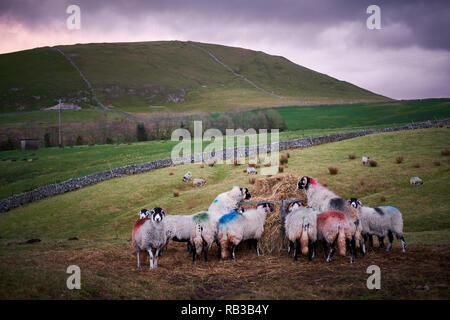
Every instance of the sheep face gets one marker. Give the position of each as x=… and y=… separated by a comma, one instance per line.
x=355, y=203
x=268, y=207
x=245, y=193
x=157, y=214
x=305, y=182
x=294, y=206
x=144, y=213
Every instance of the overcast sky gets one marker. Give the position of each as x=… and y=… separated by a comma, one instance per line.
x=408, y=58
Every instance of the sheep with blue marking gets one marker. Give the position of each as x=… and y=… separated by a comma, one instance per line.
x=149, y=234
x=179, y=227
x=323, y=199
x=301, y=229
x=235, y=227
x=205, y=229
x=380, y=221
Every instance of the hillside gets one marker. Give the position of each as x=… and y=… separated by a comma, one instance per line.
x=165, y=76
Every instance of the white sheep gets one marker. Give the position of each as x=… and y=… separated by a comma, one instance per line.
x=251, y=170
x=323, y=199
x=301, y=229
x=380, y=221
x=204, y=232
x=150, y=234
x=178, y=228
x=235, y=227
x=365, y=160
x=415, y=181
x=198, y=182
x=187, y=177
x=143, y=213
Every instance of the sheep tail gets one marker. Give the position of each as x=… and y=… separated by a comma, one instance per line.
x=304, y=241
x=341, y=240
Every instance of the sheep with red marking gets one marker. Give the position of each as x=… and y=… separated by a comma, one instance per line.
x=333, y=228
x=323, y=199
x=149, y=234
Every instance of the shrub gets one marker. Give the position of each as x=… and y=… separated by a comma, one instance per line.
x=351, y=156
x=445, y=152
x=333, y=170
x=373, y=163
x=170, y=173
x=244, y=170
x=176, y=193
x=109, y=140
x=416, y=165
x=79, y=140
x=437, y=163
x=399, y=159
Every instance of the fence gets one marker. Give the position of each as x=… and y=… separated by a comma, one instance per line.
x=283, y=208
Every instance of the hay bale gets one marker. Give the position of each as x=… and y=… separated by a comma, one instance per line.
x=279, y=187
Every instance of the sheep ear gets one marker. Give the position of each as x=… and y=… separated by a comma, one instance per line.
x=359, y=203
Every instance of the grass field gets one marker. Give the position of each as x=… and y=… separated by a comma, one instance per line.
x=102, y=216
x=50, y=165
x=135, y=76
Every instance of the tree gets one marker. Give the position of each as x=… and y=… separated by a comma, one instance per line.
x=141, y=132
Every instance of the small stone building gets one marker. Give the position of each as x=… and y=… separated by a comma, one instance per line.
x=29, y=144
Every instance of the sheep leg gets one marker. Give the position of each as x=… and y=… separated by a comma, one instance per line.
x=353, y=246
x=150, y=257
x=138, y=251
x=370, y=241
x=189, y=246
x=296, y=245
x=391, y=239
x=205, y=252
x=194, y=254
x=380, y=242
x=325, y=245
x=257, y=247
x=219, y=250
x=363, y=247
x=156, y=257
x=332, y=248
x=310, y=250
x=289, y=247
x=249, y=243
x=352, y=256
x=232, y=247
x=314, y=247
x=403, y=244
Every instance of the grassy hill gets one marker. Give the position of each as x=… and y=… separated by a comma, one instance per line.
x=101, y=216
x=172, y=74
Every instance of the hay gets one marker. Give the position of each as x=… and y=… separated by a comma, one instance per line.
x=280, y=187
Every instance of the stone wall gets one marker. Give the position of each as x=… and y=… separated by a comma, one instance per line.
x=77, y=183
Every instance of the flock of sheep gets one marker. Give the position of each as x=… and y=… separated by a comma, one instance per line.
x=328, y=219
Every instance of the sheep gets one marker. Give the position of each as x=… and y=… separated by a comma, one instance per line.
x=301, y=229
x=332, y=228
x=365, y=160
x=235, y=227
x=415, y=181
x=178, y=228
x=198, y=182
x=251, y=170
x=380, y=221
x=187, y=177
x=143, y=213
x=150, y=234
x=322, y=199
x=205, y=229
